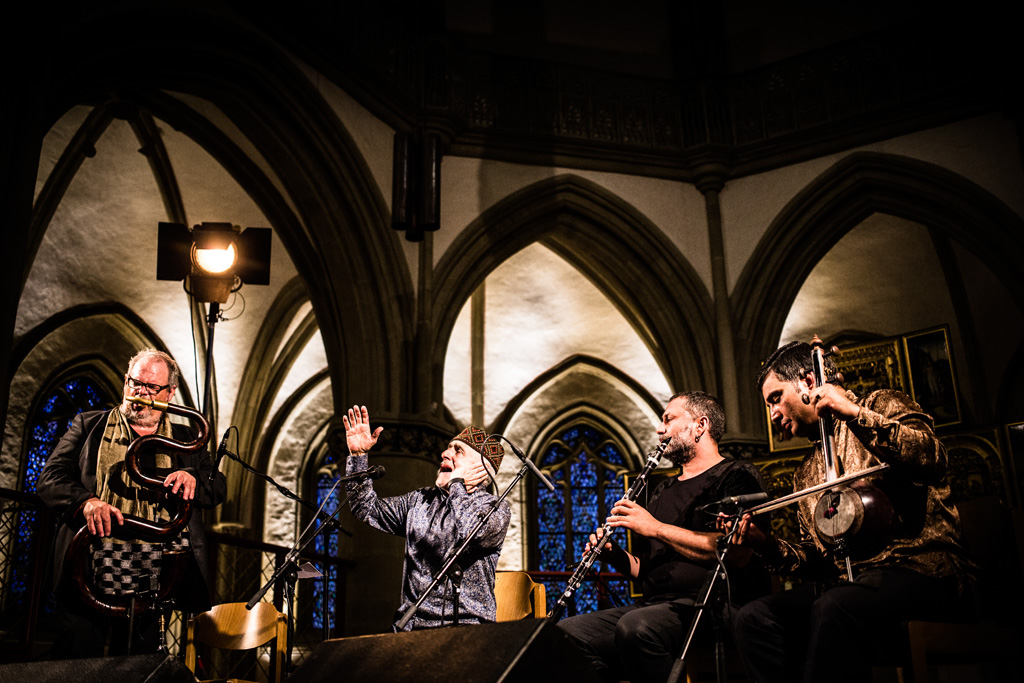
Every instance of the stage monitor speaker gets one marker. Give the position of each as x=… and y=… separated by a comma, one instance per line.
x=154, y=668
x=527, y=651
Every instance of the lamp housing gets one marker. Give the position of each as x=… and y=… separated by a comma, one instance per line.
x=212, y=256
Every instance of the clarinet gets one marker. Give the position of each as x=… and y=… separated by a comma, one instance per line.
x=583, y=568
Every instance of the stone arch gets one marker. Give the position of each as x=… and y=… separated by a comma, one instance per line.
x=270, y=360
x=609, y=400
x=625, y=255
x=296, y=432
x=322, y=202
x=822, y=213
x=99, y=338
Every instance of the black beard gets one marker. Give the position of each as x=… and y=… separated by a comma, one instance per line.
x=682, y=454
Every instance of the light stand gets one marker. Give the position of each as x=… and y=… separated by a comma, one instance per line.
x=211, y=320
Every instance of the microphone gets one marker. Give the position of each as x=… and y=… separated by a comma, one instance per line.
x=743, y=499
x=375, y=472
x=526, y=461
x=221, y=450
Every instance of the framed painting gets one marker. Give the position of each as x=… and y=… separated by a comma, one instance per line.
x=931, y=377
x=873, y=365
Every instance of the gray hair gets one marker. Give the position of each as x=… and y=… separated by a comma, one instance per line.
x=172, y=366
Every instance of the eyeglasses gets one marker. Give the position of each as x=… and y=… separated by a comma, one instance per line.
x=145, y=386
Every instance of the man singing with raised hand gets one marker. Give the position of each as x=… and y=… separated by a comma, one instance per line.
x=435, y=521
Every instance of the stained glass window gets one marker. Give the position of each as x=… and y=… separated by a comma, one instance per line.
x=586, y=468
x=325, y=484
x=46, y=427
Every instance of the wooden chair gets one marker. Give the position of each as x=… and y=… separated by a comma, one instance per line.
x=519, y=596
x=230, y=626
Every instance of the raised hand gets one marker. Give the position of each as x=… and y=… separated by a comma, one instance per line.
x=357, y=430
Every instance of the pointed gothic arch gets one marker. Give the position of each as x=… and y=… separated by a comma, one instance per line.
x=837, y=201
x=613, y=245
x=96, y=339
x=322, y=203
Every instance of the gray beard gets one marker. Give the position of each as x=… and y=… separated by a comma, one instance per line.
x=142, y=418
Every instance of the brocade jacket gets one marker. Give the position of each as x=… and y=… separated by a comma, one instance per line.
x=926, y=536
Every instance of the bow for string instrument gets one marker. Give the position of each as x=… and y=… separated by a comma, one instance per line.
x=583, y=568
x=854, y=519
x=76, y=559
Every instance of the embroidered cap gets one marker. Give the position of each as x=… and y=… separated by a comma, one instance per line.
x=475, y=438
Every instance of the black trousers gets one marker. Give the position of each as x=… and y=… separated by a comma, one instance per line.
x=838, y=635
x=639, y=643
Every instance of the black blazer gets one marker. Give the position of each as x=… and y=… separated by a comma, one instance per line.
x=69, y=479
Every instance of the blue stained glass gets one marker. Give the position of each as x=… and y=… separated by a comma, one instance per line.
x=584, y=511
x=554, y=455
x=586, y=465
x=611, y=496
x=579, y=542
x=46, y=427
x=609, y=453
x=583, y=475
x=325, y=484
x=551, y=509
x=586, y=597
x=552, y=552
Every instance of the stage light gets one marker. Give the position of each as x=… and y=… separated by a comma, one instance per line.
x=213, y=261
x=217, y=258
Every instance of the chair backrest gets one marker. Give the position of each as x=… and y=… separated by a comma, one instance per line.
x=519, y=596
x=230, y=626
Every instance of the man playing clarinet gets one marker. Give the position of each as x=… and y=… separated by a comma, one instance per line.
x=640, y=642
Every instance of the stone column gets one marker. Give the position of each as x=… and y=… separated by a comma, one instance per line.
x=710, y=181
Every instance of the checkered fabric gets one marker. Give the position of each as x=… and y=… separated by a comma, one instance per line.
x=132, y=567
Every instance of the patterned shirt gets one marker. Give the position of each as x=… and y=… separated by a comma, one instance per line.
x=889, y=428
x=435, y=523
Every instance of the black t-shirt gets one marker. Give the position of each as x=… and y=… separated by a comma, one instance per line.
x=664, y=573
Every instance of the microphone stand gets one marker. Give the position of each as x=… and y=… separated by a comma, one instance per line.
x=290, y=571
x=679, y=667
x=453, y=558
x=283, y=490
